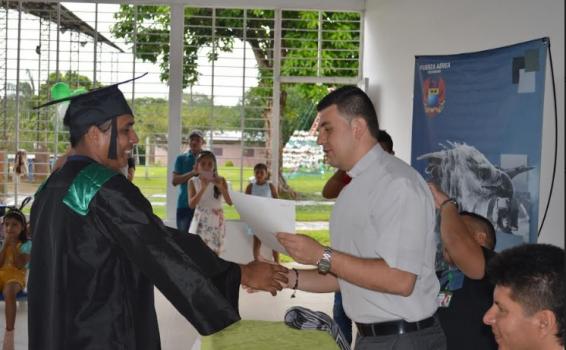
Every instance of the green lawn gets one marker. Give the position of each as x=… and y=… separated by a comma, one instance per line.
x=152, y=181
x=308, y=186
x=318, y=212
x=322, y=236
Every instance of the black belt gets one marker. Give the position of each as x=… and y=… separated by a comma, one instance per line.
x=393, y=327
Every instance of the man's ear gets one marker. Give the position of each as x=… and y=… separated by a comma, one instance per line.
x=92, y=133
x=359, y=127
x=546, y=323
x=481, y=238
x=94, y=136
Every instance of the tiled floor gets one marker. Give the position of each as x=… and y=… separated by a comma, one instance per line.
x=178, y=334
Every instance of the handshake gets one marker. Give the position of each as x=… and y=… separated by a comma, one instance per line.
x=271, y=277
x=264, y=275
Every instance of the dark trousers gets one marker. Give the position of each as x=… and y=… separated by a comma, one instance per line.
x=184, y=218
x=341, y=318
x=431, y=338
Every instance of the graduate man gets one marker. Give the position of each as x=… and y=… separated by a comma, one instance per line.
x=99, y=250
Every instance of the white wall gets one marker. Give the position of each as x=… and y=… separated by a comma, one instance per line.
x=397, y=30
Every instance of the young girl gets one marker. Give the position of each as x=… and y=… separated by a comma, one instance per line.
x=261, y=187
x=14, y=257
x=205, y=194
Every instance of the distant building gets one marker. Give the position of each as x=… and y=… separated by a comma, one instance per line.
x=227, y=146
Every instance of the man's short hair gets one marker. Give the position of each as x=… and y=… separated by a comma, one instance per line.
x=386, y=141
x=196, y=133
x=76, y=138
x=352, y=102
x=484, y=225
x=260, y=166
x=535, y=275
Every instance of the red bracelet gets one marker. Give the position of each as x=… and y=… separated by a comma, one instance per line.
x=296, y=282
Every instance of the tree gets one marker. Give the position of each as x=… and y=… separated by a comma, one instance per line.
x=151, y=116
x=148, y=27
x=34, y=124
x=72, y=78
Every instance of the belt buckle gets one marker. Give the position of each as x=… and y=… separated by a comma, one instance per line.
x=401, y=328
x=370, y=330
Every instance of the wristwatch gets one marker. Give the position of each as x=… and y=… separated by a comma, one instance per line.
x=325, y=261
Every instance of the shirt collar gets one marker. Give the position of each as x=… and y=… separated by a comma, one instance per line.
x=374, y=154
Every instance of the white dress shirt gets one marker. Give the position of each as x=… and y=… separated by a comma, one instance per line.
x=387, y=212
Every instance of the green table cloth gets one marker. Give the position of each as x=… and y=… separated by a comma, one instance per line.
x=267, y=335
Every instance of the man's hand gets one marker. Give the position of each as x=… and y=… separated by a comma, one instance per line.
x=439, y=196
x=303, y=249
x=264, y=276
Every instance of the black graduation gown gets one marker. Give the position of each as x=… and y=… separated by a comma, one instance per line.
x=97, y=257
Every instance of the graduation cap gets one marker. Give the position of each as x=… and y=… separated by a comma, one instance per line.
x=94, y=108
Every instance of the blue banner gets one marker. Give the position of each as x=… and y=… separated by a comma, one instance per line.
x=477, y=127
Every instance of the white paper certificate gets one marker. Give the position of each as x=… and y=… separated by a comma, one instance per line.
x=266, y=216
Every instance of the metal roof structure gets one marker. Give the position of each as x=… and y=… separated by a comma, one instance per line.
x=68, y=20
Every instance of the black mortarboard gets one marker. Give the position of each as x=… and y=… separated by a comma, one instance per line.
x=94, y=108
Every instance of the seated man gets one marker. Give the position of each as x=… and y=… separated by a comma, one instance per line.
x=528, y=301
x=468, y=240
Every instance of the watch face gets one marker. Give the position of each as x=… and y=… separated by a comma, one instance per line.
x=323, y=265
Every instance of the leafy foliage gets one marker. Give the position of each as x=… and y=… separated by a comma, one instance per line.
x=37, y=126
x=152, y=116
x=148, y=26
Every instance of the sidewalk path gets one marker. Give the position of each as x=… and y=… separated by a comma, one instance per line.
x=298, y=203
x=311, y=225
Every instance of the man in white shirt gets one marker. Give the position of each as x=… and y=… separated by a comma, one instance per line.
x=382, y=234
